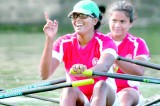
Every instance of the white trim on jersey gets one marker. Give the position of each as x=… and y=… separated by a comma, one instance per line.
x=135, y=44
x=57, y=55
x=111, y=51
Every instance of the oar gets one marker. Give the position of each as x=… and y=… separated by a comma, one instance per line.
x=36, y=85
x=152, y=102
x=6, y=104
x=54, y=100
x=90, y=73
x=46, y=83
x=46, y=88
x=37, y=97
x=138, y=62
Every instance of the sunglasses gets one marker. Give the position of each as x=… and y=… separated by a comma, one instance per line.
x=80, y=15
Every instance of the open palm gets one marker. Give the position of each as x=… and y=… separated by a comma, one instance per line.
x=51, y=27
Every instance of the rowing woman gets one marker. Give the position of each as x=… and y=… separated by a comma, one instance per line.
x=84, y=49
x=121, y=15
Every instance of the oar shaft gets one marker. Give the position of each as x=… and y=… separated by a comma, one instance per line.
x=128, y=77
x=142, y=63
x=32, y=91
x=43, y=98
x=47, y=83
x=6, y=104
x=46, y=88
x=37, y=97
x=152, y=102
x=41, y=84
x=90, y=73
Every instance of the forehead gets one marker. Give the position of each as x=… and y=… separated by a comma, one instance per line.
x=118, y=15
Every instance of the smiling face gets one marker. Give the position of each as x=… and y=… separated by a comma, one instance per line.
x=83, y=24
x=119, y=24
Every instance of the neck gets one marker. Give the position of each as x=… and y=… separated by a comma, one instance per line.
x=118, y=38
x=85, y=38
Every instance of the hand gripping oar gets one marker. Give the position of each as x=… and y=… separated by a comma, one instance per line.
x=142, y=63
x=90, y=73
x=46, y=88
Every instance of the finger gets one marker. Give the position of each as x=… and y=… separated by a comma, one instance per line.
x=52, y=23
x=44, y=27
x=55, y=23
x=82, y=67
x=76, y=67
x=46, y=16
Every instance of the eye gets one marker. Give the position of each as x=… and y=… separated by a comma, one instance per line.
x=74, y=16
x=71, y=16
x=122, y=21
x=114, y=21
x=83, y=16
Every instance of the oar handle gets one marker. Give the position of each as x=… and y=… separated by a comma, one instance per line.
x=87, y=73
x=82, y=82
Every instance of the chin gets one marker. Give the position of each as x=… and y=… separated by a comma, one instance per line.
x=116, y=33
x=79, y=32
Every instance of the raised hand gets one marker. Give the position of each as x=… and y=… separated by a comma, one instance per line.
x=51, y=27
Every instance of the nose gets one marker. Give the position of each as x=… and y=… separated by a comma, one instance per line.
x=117, y=24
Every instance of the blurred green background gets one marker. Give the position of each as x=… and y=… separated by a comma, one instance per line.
x=22, y=40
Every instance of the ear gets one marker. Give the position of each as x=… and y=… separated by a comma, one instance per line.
x=95, y=20
x=131, y=24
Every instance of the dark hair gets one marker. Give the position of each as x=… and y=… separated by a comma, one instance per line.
x=125, y=6
x=102, y=9
x=96, y=27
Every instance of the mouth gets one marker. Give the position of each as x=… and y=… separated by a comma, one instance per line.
x=117, y=30
x=79, y=24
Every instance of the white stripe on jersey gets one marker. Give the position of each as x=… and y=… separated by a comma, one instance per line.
x=111, y=51
x=135, y=44
x=59, y=56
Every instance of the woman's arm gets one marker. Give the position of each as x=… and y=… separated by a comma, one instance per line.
x=105, y=62
x=130, y=68
x=47, y=63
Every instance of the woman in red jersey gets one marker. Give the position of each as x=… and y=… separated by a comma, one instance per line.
x=84, y=49
x=121, y=15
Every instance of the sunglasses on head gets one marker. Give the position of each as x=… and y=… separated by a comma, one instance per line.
x=80, y=15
